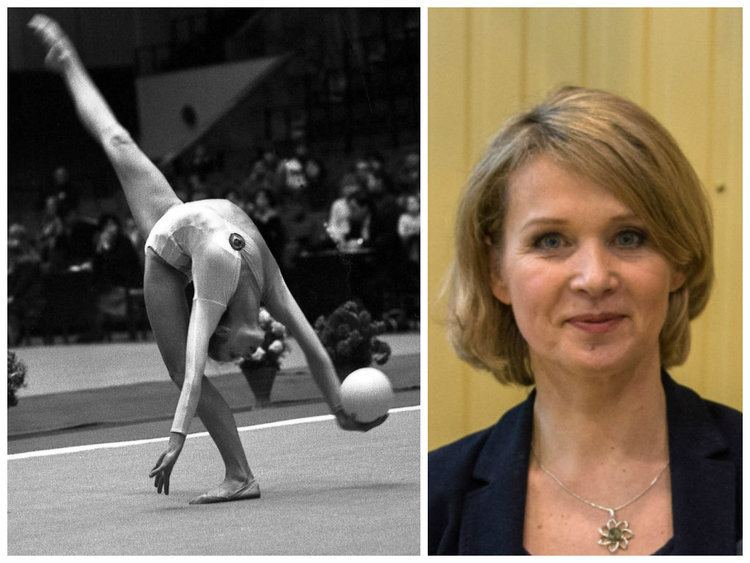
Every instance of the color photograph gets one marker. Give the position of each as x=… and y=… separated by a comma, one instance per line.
x=584, y=306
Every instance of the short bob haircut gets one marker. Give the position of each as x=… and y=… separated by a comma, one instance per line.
x=617, y=145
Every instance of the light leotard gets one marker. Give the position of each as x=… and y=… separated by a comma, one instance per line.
x=206, y=241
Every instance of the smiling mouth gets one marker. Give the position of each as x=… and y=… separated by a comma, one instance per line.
x=597, y=324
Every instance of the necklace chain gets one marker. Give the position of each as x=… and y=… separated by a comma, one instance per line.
x=615, y=534
x=611, y=511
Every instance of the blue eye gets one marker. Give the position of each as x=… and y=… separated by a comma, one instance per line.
x=630, y=238
x=549, y=241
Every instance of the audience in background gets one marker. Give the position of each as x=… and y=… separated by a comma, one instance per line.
x=74, y=248
x=288, y=198
x=266, y=217
x=50, y=229
x=116, y=268
x=338, y=217
x=25, y=284
x=409, y=232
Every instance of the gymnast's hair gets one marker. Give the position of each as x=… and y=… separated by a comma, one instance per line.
x=616, y=144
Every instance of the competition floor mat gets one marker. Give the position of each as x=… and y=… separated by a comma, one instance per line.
x=324, y=492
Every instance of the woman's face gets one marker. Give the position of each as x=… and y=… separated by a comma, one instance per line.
x=233, y=339
x=588, y=290
x=238, y=332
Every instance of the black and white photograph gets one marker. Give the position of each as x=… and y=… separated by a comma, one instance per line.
x=213, y=269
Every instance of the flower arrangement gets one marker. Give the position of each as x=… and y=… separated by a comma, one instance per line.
x=273, y=347
x=16, y=377
x=350, y=337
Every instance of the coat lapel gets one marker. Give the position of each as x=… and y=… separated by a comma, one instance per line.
x=493, y=514
x=703, y=478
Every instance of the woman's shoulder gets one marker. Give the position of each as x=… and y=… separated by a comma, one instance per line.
x=688, y=408
x=461, y=467
x=454, y=463
x=726, y=417
x=457, y=458
x=729, y=423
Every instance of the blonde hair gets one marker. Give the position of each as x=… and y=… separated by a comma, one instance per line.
x=620, y=146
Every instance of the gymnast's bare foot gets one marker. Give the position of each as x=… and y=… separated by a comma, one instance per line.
x=230, y=490
x=61, y=52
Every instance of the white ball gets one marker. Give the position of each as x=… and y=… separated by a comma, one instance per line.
x=366, y=394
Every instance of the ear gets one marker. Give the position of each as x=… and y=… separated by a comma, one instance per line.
x=677, y=281
x=497, y=281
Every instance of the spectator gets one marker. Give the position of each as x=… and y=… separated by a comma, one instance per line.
x=75, y=247
x=263, y=173
x=359, y=219
x=116, y=268
x=116, y=261
x=407, y=177
x=385, y=216
x=384, y=235
x=408, y=231
x=313, y=173
x=338, y=218
x=294, y=181
x=408, y=222
x=130, y=230
x=317, y=189
x=25, y=286
x=62, y=188
x=377, y=165
x=266, y=218
x=50, y=231
x=337, y=225
x=362, y=171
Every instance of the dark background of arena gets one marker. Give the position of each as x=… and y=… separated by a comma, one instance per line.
x=337, y=114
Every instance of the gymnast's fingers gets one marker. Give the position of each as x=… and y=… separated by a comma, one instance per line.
x=157, y=468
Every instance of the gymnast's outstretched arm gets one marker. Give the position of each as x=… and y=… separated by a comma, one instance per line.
x=283, y=307
x=204, y=318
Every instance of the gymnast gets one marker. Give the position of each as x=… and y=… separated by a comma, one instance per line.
x=216, y=246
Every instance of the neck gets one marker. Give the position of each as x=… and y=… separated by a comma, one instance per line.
x=600, y=420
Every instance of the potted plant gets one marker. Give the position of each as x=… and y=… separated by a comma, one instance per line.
x=260, y=367
x=351, y=338
x=16, y=377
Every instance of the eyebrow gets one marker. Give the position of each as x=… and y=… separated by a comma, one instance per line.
x=555, y=221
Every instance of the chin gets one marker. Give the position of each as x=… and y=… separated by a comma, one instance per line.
x=605, y=360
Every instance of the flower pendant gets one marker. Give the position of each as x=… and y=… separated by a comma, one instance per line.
x=615, y=535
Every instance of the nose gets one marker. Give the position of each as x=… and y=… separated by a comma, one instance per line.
x=593, y=270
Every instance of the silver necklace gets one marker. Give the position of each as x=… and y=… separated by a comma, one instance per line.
x=615, y=534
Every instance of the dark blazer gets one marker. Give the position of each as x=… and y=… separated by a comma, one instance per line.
x=477, y=485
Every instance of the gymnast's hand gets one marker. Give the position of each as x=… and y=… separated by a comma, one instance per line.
x=163, y=468
x=348, y=422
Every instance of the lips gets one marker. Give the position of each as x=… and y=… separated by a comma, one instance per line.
x=597, y=323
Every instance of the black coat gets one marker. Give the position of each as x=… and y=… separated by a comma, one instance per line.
x=477, y=485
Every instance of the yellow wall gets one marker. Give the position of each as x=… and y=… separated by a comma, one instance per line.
x=682, y=65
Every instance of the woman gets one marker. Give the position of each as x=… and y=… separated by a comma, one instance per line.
x=266, y=218
x=214, y=244
x=583, y=250
x=116, y=267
